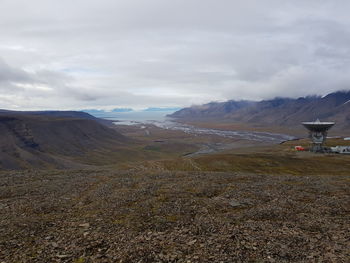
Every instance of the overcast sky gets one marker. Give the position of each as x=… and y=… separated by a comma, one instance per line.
x=79, y=54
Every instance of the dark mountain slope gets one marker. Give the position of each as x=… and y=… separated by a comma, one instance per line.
x=332, y=107
x=36, y=141
x=213, y=109
x=283, y=112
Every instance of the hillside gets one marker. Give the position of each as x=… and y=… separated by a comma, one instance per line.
x=59, y=114
x=283, y=112
x=62, y=114
x=35, y=140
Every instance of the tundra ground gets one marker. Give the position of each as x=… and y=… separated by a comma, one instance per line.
x=153, y=213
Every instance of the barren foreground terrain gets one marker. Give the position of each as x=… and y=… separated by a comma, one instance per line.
x=160, y=199
x=145, y=215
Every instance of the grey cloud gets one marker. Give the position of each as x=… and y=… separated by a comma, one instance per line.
x=170, y=53
x=10, y=74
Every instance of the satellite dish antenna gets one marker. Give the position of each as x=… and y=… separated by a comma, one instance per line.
x=318, y=133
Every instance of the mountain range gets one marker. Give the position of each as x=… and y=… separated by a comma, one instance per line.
x=283, y=112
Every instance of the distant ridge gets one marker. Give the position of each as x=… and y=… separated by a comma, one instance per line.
x=283, y=112
x=52, y=113
x=57, y=114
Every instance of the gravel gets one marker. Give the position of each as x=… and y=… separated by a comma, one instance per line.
x=106, y=215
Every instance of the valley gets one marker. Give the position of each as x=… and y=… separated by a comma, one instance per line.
x=174, y=131
x=81, y=190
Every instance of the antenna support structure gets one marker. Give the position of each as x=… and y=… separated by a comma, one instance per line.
x=318, y=134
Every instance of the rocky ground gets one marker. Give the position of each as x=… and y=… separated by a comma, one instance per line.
x=105, y=215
